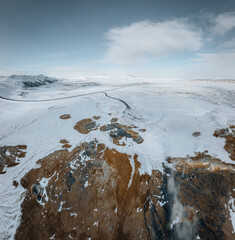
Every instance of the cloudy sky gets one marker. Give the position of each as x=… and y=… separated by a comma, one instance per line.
x=143, y=38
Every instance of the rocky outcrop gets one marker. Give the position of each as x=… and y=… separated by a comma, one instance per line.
x=10, y=156
x=229, y=135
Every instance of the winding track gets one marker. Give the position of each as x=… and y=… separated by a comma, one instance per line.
x=127, y=106
x=74, y=96
x=128, y=109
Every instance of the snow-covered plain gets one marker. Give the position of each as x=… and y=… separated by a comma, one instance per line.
x=169, y=110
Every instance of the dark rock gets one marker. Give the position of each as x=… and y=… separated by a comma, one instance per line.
x=36, y=189
x=196, y=134
x=70, y=180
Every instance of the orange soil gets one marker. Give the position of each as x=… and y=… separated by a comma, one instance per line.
x=114, y=120
x=85, y=126
x=66, y=146
x=96, y=117
x=65, y=116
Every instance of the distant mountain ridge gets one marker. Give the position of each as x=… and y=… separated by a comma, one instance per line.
x=30, y=81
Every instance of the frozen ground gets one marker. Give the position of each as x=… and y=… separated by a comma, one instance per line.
x=169, y=110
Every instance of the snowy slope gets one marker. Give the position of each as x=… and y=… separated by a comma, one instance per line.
x=169, y=110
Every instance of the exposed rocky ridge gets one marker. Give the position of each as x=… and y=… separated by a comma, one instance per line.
x=30, y=81
x=10, y=156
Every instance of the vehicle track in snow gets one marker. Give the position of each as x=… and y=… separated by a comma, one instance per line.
x=127, y=106
x=128, y=109
x=61, y=98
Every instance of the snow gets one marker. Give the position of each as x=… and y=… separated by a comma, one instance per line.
x=139, y=210
x=74, y=214
x=43, y=183
x=169, y=110
x=231, y=203
x=7, y=153
x=61, y=206
x=86, y=184
x=53, y=237
x=96, y=224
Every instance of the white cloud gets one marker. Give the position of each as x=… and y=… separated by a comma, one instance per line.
x=223, y=23
x=203, y=66
x=70, y=72
x=214, y=65
x=143, y=40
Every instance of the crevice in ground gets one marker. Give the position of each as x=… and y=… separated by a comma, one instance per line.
x=128, y=110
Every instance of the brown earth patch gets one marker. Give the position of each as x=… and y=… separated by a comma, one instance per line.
x=65, y=143
x=65, y=116
x=10, y=156
x=85, y=126
x=66, y=146
x=114, y=120
x=96, y=117
x=229, y=135
x=117, y=132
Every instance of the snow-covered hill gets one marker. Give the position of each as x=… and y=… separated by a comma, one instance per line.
x=154, y=120
x=29, y=81
x=40, y=87
x=20, y=83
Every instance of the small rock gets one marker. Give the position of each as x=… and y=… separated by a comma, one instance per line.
x=196, y=134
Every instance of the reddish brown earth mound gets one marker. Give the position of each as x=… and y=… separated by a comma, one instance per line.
x=10, y=156
x=85, y=126
x=96, y=117
x=65, y=143
x=114, y=120
x=65, y=116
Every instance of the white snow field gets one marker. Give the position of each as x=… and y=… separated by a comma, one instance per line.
x=169, y=110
